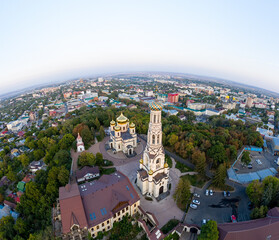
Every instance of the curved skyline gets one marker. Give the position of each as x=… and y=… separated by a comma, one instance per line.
x=47, y=41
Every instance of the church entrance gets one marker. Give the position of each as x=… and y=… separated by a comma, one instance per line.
x=130, y=151
x=161, y=190
x=110, y=145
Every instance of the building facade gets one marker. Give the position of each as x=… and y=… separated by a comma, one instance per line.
x=153, y=175
x=173, y=97
x=123, y=135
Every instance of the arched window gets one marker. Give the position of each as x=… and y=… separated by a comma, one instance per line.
x=157, y=161
x=158, y=139
x=153, y=139
x=154, y=118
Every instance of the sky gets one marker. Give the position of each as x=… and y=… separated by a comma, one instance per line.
x=46, y=41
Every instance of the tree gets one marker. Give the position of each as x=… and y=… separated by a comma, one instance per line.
x=199, y=160
x=86, y=135
x=246, y=158
x=38, y=154
x=62, y=157
x=24, y=159
x=182, y=193
x=99, y=159
x=21, y=227
x=86, y=159
x=259, y=212
x=63, y=176
x=218, y=153
x=209, y=231
x=97, y=124
x=255, y=191
x=220, y=176
x=7, y=228
x=67, y=141
x=173, y=139
x=102, y=133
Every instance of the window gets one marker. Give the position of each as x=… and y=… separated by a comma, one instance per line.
x=98, y=227
x=134, y=205
x=103, y=224
x=126, y=208
x=118, y=146
x=124, y=128
x=108, y=227
x=153, y=139
x=118, y=213
x=114, y=215
x=122, y=210
x=157, y=161
x=158, y=139
x=154, y=118
x=107, y=221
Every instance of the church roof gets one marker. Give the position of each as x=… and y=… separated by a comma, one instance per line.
x=121, y=118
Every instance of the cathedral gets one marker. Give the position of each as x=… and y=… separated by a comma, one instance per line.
x=123, y=135
x=153, y=175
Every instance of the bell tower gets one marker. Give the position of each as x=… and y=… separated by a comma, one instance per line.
x=153, y=175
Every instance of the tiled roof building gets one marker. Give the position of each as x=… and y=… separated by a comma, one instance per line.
x=95, y=206
x=260, y=229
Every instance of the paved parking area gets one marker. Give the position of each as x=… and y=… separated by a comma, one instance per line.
x=220, y=208
x=266, y=158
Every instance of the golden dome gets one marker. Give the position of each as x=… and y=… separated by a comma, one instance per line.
x=117, y=128
x=166, y=165
x=150, y=172
x=141, y=161
x=132, y=125
x=121, y=118
x=112, y=122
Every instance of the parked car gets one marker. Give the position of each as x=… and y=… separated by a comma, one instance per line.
x=249, y=166
x=196, y=202
x=225, y=194
x=206, y=192
x=196, y=195
x=228, y=194
x=203, y=221
x=211, y=192
x=193, y=206
x=233, y=218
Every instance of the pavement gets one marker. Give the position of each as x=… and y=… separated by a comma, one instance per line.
x=220, y=208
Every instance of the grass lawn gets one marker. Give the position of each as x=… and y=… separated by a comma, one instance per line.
x=182, y=167
x=196, y=180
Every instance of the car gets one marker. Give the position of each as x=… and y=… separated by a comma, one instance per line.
x=196, y=195
x=203, y=221
x=233, y=218
x=249, y=166
x=206, y=192
x=259, y=152
x=193, y=206
x=225, y=194
x=196, y=202
x=228, y=194
x=211, y=192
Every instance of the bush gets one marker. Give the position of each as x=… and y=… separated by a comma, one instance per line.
x=148, y=198
x=182, y=167
x=169, y=225
x=107, y=171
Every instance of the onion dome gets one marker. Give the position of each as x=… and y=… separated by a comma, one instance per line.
x=122, y=119
x=141, y=161
x=166, y=165
x=155, y=106
x=112, y=122
x=132, y=125
x=150, y=172
x=117, y=128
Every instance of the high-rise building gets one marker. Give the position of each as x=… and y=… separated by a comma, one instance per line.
x=249, y=102
x=173, y=97
x=153, y=175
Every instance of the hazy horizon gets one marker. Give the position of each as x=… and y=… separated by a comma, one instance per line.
x=56, y=41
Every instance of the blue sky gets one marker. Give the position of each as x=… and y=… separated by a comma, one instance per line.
x=44, y=41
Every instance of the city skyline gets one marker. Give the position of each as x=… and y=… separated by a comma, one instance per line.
x=45, y=42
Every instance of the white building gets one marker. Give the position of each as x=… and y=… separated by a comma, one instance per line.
x=123, y=135
x=80, y=144
x=153, y=175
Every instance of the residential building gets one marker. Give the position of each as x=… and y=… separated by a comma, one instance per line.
x=37, y=165
x=87, y=173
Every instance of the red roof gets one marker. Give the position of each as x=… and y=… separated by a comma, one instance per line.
x=21, y=133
